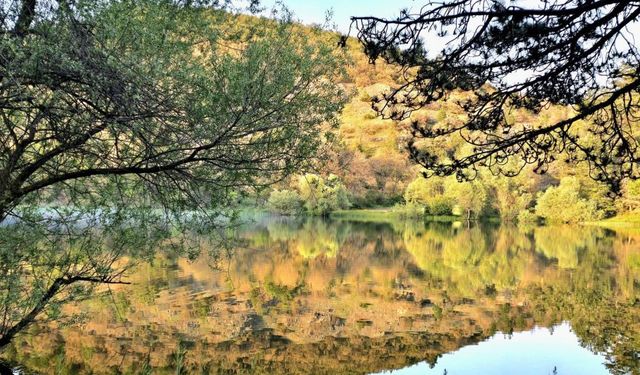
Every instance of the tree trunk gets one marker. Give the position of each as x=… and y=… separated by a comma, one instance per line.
x=9, y=334
x=27, y=13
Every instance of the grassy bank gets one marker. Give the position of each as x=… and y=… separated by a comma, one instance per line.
x=628, y=219
x=384, y=214
x=626, y=222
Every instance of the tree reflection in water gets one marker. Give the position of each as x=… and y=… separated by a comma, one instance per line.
x=301, y=296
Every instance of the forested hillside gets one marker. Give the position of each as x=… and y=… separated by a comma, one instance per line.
x=368, y=164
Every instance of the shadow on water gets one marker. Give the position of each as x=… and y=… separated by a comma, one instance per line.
x=321, y=296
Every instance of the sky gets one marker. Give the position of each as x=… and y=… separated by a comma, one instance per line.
x=314, y=11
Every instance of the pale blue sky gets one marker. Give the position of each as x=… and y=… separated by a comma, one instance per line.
x=314, y=11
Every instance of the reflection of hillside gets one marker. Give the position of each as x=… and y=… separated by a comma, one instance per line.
x=318, y=296
x=471, y=260
x=259, y=353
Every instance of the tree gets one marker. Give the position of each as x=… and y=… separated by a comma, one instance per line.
x=512, y=196
x=111, y=109
x=154, y=96
x=322, y=197
x=562, y=52
x=470, y=196
x=285, y=202
x=630, y=200
x=429, y=193
x=567, y=203
x=422, y=191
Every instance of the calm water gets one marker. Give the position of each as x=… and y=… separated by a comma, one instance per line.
x=554, y=350
x=314, y=296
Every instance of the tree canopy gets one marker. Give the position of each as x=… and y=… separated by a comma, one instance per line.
x=110, y=110
x=573, y=53
x=164, y=96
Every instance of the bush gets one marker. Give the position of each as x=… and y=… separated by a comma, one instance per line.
x=285, y=202
x=423, y=190
x=321, y=197
x=365, y=97
x=526, y=217
x=630, y=200
x=430, y=194
x=471, y=197
x=511, y=196
x=567, y=203
x=440, y=206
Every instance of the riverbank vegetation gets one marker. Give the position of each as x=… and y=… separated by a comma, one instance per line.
x=339, y=153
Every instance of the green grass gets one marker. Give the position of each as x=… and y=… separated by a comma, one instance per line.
x=629, y=222
x=624, y=220
x=384, y=215
x=444, y=218
x=369, y=214
x=633, y=217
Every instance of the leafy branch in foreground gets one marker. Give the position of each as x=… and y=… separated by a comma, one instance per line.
x=39, y=265
x=573, y=53
x=157, y=95
x=51, y=262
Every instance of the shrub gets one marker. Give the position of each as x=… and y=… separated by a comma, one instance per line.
x=285, y=202
x=440, y=206
x=630, y=200
x=470, y=197
x=365, y=97
x=321, y=197
x=567, y=203
x=423, y=190
x=526, y=217
x=511, y=196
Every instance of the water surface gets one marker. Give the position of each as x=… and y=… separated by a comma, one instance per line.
x=554, y=350
x=339, y=297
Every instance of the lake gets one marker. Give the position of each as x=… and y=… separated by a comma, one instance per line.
x=314, y=296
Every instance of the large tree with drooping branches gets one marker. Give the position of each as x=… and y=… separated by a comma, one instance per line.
x=162, y=97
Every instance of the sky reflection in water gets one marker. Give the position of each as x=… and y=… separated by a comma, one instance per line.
x=539, y=351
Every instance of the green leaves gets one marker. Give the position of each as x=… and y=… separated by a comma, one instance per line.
x=322, y=197
x=157, y=104
x=568, y=203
